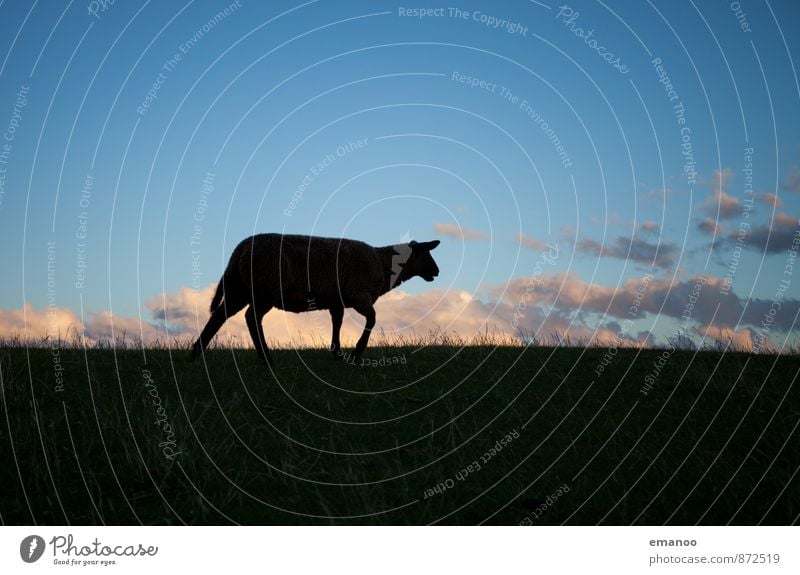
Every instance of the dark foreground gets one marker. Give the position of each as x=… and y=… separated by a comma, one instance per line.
x=443, y=435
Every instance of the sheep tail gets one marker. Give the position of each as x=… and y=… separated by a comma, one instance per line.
x=227, y=277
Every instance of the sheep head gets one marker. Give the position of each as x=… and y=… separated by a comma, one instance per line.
x=421, y=263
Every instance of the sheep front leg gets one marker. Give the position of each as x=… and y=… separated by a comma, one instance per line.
x=337, y=316
x=364, y=307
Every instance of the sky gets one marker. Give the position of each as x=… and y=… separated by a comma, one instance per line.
x=613, y=172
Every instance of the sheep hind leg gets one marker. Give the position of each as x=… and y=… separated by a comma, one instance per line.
x=365, y=308
x=220, y=315
x=254, y=317
x=337, y=316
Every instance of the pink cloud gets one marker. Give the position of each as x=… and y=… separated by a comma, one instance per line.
x=738, y=339
x=551, y=305
x=659, y=194
x=106, y=326
x=792, y=181
x=709, y=226
x=770, y=200
x=458, y=232
x=648, y=227
x=786, y=220
x=719, y=204
x=530, y=242
x=723, y=178
x=30, y=323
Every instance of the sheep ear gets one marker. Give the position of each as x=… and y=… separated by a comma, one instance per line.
x=427, y=246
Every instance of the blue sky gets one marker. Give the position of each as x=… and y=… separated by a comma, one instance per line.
x=260, y=96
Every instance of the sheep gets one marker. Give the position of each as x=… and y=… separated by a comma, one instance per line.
x=306, y=273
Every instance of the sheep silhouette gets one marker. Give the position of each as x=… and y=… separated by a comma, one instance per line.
x=306, y=273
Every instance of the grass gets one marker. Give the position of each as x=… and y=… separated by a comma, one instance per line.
x=436, y=434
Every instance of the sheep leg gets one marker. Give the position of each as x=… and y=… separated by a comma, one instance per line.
x=254, y=317
x=364, y=307
x=337, y=315
x=218, y=317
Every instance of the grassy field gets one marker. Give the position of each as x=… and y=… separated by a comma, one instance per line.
x=443, y=434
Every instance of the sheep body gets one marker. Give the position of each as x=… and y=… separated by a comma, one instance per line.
x=291, y=271
x=299, y=273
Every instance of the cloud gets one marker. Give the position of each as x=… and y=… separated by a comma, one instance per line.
x=723, y=178
x=106, y=326
x=709, y=226
x=773, y=238
x=663, y=255
x=30, y=323
x=737, y=339
x=792, y=180
x=184, y=314
x=723, y=206
x=551, y=305
x=531, y=243
x=770, y=200
x=719, y=203
x=58, y=323
x=648, y=227
x=566, y=293
x=719, y=180
x=181, y=311
x=659, y=194
x=459, y=233
x=786, y=221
